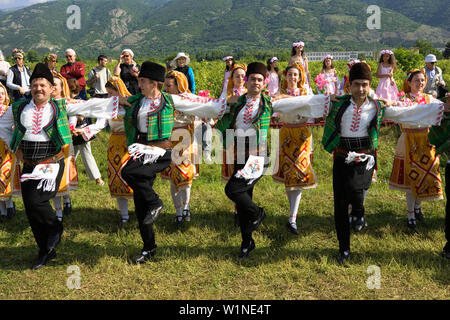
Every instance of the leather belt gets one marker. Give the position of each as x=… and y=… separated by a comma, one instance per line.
x=164, y=144
x=53, y=159
x=345, y=152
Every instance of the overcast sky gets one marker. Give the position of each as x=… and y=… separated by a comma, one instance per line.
x=6, y=4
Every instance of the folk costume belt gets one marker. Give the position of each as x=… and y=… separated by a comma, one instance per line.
x=53, y=159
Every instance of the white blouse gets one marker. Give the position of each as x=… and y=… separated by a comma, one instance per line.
x=355, y=121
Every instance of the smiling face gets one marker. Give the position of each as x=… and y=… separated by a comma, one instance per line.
x=255, y=84
x=127, y=58
x=51, y=64
x=327, y=62
x=181, y=62
x=417, y=83
x=41, y=90
x=2, y=95
x=238, y=78
x=57, y=89
x=292, y=78
x=386, y=57
x=70, y=57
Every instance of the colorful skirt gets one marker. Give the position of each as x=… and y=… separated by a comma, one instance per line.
x=227, y=168
x=69, y=179
x=186, y=171
x=9, y=173
x=295, y=158
x=416, y=166
x=117, y=158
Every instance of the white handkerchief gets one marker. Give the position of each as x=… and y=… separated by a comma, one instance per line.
x=150, y=153
x=253, y=169
x=361, y=157
x=46, y=173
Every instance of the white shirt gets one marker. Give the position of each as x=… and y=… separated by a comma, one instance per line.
x=355, y=121
x=24, y=77
x=244, y=126
x=148, y=106
x=34, y=120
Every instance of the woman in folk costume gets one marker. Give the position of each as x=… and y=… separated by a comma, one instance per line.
x=298, y=56
x=386, y=67
x=181, y=174
x=118, y=152
x=416, y=165
x=9, y=169
x=294, y=162
x=69, y=179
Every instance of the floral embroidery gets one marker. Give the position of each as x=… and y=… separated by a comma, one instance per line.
x=356, y=118
x=249, y=110
x=37, y=119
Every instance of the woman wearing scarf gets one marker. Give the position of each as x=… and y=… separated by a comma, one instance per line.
x=294, y=162
x=416, y=165
x=9, y=169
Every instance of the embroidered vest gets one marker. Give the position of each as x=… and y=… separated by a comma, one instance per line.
x=332, y=130
x=160, y=121
x=57, y=130
x=261, y=122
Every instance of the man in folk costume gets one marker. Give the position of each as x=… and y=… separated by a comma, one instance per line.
x=36, y=131
x=148, y=126
x=440, y=137
x=351, y=133
x=249, y=116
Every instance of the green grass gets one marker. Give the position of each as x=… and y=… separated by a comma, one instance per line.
x=200, y=260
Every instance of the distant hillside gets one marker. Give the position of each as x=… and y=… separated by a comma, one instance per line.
x=161, y=27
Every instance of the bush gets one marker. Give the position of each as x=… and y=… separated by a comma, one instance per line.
x=407, y=60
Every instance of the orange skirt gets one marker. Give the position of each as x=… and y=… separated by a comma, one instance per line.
x=117, y=158
x=69, y=179
x=9, y=173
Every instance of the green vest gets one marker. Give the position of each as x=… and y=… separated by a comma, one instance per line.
x=261, y=122
x=160, y=121
x=440, y=136
x=57, y=130
x=332, y=130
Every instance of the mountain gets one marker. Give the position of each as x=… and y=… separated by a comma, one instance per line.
x=161, y=27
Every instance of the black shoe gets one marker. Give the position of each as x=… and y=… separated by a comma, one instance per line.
x=292, y=226
x=419, y=215
x=145, y=256
x=123, y=222
x=67, y=210
x=343, y=256
x=152, y=215
x=11, y=212
x=42, y=259
x=178, y=221
x=255, y=223
x=187, y=215
x=412, y=224
x=358, y=224
x=246, y=251
x=236, y=220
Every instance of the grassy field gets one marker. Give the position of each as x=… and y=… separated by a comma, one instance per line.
x=199, y=261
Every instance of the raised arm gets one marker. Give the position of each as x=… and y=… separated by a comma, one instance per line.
x=95, y=108
x=418, y=115
x=201, y=107
x=312, y=106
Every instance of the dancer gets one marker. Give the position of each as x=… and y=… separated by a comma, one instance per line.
x=386, y=67
x=416, y=165
x=295, y=165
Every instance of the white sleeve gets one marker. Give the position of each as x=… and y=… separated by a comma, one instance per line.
x=417, y=115
x=202, y=107
x=91, y=130
x=312, y=106
x=9, y=81
x=6, y=126
x=95, y=108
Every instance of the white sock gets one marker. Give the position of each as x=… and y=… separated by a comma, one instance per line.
x=176, y=198
x=410, y=201
x=3, y=207
x=411, y=215
x=123, y=207
x=185, y=197
x=294, y=197
x=10, y=203
x=365, y=195
x=57, y=203
x=417, y=204
x=59, y=214
x=66, y=198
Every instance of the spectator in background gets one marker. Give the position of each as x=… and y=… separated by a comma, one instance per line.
x=75, y=70
x=128, y=70
x=181, y=61
x=229, y=64
x=98, y=77
x=4, y=67
x=274, y=76
x=330, y=74
x=79, y=144
x=434, y=76
x=50, y=60
x=18, y=79
x=298, y=56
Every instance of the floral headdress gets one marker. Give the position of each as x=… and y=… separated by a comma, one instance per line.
x=298, y=44
x=227, y=58
x=387, y=52
x=50, y=57
x=272, y=60
x=406, y=88
x=328, y=56
x=18, y=52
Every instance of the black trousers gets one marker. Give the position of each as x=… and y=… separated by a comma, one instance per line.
x=41, y=216
x=241, y=193
x=141, y=177
x=349, y=183
x=447, y=207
